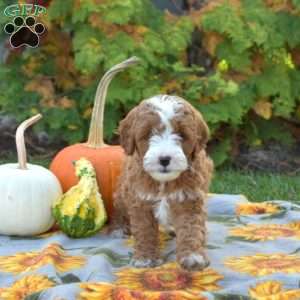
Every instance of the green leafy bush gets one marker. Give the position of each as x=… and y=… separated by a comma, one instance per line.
x=258, y=42
x=84, y=39
x=254, y=84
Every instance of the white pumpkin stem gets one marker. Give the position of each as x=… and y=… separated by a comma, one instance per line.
x=20, y=141
x=95, y=139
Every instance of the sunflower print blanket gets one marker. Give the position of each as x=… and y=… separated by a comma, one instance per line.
x=254, y=249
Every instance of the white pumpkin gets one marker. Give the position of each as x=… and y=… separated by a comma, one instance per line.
x=27, y=192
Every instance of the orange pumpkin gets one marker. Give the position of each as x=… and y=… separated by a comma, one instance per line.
x=106, y=159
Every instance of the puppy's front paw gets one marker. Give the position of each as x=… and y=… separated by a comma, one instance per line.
x=145, y=262
x=194, y=262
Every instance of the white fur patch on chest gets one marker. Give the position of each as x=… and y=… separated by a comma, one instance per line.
x=179, y=195
x=161, y=206
x=162, y=212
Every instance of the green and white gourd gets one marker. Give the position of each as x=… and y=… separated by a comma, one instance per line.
x=80, y=212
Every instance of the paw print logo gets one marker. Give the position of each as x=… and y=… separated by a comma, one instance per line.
x=24, y=32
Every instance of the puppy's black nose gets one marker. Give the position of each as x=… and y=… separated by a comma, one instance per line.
x=164, y=160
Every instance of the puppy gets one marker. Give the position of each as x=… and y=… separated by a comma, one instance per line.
x=165, y=180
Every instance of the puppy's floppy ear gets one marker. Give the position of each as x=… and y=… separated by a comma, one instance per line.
x=126, y=132
x=202, y=132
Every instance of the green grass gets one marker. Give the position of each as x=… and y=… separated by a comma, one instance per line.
x=256, y=186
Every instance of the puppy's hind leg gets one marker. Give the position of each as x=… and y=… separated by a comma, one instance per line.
x=119, y=226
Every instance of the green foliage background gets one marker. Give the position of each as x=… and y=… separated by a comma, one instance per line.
x=251, y=95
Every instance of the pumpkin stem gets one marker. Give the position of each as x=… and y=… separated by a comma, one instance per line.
x=95, y=139
x=20, y=142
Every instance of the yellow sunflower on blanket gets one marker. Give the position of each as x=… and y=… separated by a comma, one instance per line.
x=107, y=291
x=25, y=286
x=272, y=290
x=264, y=264
x=28, y=261
x=267, y=232
x=257, y=208
x=168, y=277
x=163, y=282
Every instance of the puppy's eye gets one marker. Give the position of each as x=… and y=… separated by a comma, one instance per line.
x=179, y=137
x=182, y=136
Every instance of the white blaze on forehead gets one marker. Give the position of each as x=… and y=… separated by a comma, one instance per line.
x=167, y=108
